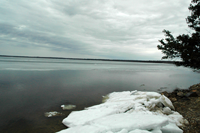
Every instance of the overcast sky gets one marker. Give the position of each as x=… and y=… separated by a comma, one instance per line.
x=115, y=29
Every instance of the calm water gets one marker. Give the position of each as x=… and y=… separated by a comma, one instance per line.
x=30, y=87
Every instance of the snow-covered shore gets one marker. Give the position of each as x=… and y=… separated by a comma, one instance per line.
x=127, y=112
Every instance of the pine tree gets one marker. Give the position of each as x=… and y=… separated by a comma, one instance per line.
x=186, y=47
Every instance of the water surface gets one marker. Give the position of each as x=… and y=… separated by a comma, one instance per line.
x=29, y=87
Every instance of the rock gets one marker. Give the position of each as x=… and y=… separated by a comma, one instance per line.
x=184, y=98
x=173, y=94
x=173, y=99
x=191, y=94
x=68, y=107
x=195, y=87
x=180, y=94
x=194, y=90
x=165, y=93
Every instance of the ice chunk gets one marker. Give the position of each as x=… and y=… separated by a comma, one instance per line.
x=166, y=102
x=177, y=118
x=139, y=131
x=109, y=132
x=157, y=130
x=123, y=131
x=52, y=114
x=153, y=95
x=131, y=121
x=167, y=110
x=81, y=117
x=171, y=128
x=105, y=98
x=82, y=129
x=68, y=107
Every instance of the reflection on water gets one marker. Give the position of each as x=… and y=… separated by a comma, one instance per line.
x=26, y=95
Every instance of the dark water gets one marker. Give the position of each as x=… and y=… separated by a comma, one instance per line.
x=31, y=87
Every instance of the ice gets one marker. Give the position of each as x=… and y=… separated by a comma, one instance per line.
x=165, y=101
x=68, y=107
x=139, y=131
x=167, y=111
x=119, y=123
x=127, y=112
x=171, y=128
x=52, y=114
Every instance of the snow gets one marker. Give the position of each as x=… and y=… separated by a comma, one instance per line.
x=127, y=112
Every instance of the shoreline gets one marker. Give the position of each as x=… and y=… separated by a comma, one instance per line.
x=187, y=103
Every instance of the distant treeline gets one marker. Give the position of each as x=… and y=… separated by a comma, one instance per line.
x=120, y=60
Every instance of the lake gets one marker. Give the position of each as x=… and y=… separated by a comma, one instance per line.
x=29, y=87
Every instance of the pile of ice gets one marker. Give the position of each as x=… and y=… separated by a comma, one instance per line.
x=127, y=112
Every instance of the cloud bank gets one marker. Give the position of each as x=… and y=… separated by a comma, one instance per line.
x=114, y=29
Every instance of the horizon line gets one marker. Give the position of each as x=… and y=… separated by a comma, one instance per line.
x=125, y=60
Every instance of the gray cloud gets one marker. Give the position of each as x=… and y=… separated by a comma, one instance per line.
x=85, y=28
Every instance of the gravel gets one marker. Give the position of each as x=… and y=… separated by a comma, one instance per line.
x=187, y=103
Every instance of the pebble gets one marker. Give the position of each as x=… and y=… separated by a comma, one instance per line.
x=180, y=94
x=173, y=99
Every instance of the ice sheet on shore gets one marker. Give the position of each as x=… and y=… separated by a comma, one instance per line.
x=127, y=112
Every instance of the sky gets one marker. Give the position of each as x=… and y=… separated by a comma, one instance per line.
x=106, y=29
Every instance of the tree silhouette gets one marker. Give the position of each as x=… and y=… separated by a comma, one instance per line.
x=186, y=47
